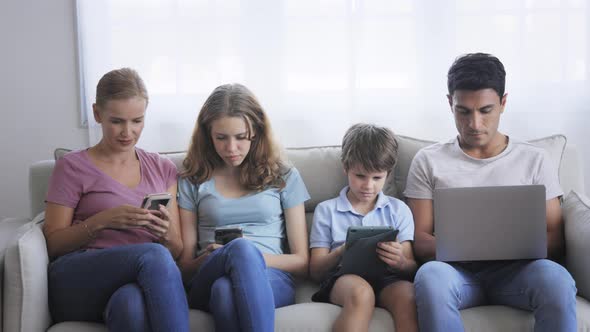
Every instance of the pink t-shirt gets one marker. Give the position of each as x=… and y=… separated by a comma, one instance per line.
x=77, y=183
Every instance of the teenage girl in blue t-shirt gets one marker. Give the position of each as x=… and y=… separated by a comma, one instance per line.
x=234, y=177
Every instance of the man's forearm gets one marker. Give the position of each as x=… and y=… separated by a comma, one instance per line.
x=555, y=244
x=424, y=247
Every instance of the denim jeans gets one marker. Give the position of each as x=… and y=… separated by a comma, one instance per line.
x=541, y=286
x=134, y=287
x=235, y=285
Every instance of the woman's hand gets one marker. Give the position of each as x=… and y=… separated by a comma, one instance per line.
x=160, y=223
x=124, y=217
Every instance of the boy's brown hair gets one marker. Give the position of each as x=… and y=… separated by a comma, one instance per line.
x=371, y=147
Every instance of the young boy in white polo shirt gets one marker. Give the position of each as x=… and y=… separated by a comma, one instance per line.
x=369, y=153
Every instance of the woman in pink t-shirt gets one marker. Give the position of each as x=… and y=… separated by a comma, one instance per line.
x=113, y=261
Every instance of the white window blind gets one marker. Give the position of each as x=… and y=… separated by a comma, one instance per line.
x=318, y=66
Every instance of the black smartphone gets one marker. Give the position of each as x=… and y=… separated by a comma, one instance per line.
x=225, y=235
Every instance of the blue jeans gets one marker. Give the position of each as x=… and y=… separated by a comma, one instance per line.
x=541, y=286
x=235, y=285
x=134, y=287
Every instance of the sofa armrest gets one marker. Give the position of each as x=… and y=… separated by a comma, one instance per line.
x=39, y=174
x=8, y=228
x=576, y=214
x=26, y=306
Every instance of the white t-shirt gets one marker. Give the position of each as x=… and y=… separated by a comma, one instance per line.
x=445, y=165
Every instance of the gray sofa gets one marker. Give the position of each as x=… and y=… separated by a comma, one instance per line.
x=25, y=307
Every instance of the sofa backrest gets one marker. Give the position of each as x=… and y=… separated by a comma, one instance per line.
x=324, y=177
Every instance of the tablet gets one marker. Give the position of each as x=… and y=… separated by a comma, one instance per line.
x=360, y=256
x=358, y=232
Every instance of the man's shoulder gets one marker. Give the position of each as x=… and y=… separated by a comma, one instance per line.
x=523, y=146
x=437, y=150
x=528, y=153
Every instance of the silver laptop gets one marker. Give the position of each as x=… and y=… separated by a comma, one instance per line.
x=490, y=223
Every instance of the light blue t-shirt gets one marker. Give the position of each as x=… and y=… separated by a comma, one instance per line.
x=259, y=214
x=332, y=218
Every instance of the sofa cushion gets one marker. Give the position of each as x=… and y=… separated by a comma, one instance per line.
x=25, y=280
x=323, y=182
x=576, y=213
x=326, y=181
x=175, y=157
x=8, y=228
x=60, y=152
x=554, y=145
x=407, y=148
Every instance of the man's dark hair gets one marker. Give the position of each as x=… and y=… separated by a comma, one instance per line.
x=476, y=71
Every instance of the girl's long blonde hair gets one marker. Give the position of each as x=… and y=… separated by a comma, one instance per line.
x=262, y=167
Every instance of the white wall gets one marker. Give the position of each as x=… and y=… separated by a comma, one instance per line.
x=39, y=102
x=38, y=92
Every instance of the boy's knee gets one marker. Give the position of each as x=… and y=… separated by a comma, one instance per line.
x=358, y=291
x=362, y=295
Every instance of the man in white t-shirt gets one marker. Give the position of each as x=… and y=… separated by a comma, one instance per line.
x=480, y=155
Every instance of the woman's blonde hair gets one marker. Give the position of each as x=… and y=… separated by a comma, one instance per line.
x=119, y=84
x=262, y=167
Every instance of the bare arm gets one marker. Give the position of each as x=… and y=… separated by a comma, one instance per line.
x=323, y=261
x=62, y=237
x=189, y=265
x=297, y=261
x=172, y=238
x=424, y=240
x=555, y=232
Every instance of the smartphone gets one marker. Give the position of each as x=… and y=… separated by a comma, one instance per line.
x=225, y=235
x=153, y=201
